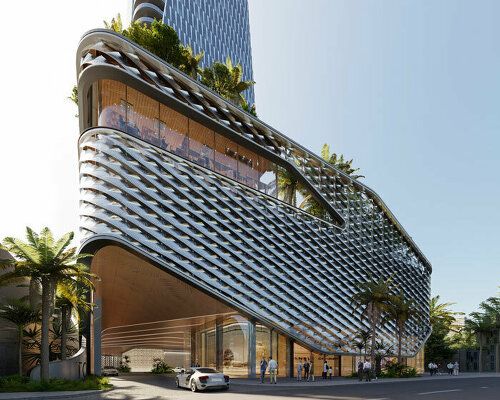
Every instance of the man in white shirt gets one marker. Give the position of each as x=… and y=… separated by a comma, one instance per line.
x=367, y=369
x=273, y=370
x=432, y=368
x=450, y=368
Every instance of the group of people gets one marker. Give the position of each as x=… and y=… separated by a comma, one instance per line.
x=452, y=368
x=273, y=369
x=327, y=371
x=307, y=368
x=365, y=370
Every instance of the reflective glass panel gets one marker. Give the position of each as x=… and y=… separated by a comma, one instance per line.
x=225, y=156
x=131, y=111
x=262, y=345
x=173, y=131
x=235, y=346
x=201, y=145
x=112, y=111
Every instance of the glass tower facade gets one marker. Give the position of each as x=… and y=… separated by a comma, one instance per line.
x=221, y=28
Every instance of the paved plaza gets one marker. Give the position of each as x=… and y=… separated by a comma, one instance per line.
x=466, y=386
x=151, y=387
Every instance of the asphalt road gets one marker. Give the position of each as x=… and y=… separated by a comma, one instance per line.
x=147, y=387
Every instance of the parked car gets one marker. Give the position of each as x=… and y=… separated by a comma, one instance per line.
x=178, y=370
x=202, y=379
x=109, y=371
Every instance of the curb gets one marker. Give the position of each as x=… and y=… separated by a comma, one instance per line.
x=80, y=395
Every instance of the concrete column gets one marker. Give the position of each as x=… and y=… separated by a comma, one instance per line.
x=252, y=344
x=219, y=346
x=97, y=327
x=271, y=354
x=289, y=357
x=193, y=349
x=86, y=332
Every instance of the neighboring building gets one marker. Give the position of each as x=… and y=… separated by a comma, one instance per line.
x=489, y=359
x=197, y=255
x=221, y=28
x=9, y=338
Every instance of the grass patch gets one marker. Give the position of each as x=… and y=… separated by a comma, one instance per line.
x=16, y=383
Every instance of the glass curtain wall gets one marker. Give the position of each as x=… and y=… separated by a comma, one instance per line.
x=124, y=108
x=235, y=346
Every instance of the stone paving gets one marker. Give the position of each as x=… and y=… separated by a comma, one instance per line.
x=150, y=387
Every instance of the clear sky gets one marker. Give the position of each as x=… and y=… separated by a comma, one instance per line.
x=409, y=89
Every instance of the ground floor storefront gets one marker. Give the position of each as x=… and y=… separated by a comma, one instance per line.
x=146, y=314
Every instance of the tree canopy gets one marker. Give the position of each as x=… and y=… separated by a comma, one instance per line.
x=226, y=79
x=162, y=40
x=49, y=262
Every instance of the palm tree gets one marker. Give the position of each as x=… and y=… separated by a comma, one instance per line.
x=115, y=24
x=226, y=79
x=70, y=296
x=20, y=313
x=251, y=109
x=373, y=297
x=309, y=203
x=491, y=306
x=482, y=325
x=440, y=313
x=363, y=336
x=382, y=349
x=339, y=162
x=288, y=185
x=400, y=310
x=191, y=62
x=49, y=262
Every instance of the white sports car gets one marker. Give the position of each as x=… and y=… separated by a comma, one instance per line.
x=202, y=379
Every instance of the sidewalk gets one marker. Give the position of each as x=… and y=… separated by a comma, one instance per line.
x=78, y=395
x=338, y=381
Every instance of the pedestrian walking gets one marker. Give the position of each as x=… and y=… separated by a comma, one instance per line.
x=325, y=369
x=367, y=369
x=263, y=368
x=299, y=370
x=330, y=372
x=311, y=371
x=273, y=370
x=431, y=368
x=306, y=369
x=360, y=370
x=455, y=368
x=450, y=368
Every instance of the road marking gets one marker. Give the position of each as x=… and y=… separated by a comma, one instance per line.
x=440, y=391
x=484, y=387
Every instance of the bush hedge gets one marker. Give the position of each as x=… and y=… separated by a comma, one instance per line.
x=16, y=383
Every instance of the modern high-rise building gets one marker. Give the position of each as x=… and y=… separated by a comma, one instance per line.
x=200, y=260
x=220, y=28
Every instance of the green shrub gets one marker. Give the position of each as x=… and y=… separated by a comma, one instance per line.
x=160, y=367
x=123, y=368
x=24, y=384
x=124, y=364
x=395, y=370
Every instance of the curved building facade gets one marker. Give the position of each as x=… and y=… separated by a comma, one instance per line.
x=199, y=257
